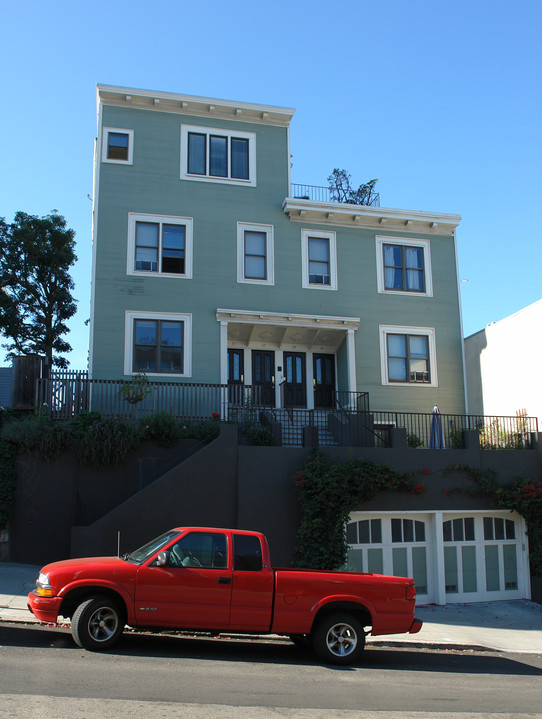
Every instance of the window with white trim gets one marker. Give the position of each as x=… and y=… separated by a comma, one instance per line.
x=255, y=260
x=319, y=260
x=404, y=266
x=158, y=343
x=217, y=155
x=118, y=146
x=160, y=245
x=408, y=355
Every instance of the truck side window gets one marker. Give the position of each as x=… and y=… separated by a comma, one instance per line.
x=207, y=550
x=247, y=553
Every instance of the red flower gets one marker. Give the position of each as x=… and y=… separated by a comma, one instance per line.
x=215, y=415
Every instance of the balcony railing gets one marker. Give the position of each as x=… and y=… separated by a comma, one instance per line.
x=323, y=194
x=346, y=421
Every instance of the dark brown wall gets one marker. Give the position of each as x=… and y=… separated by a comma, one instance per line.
x=222, y=485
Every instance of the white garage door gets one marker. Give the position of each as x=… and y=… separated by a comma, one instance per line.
x=453, y=557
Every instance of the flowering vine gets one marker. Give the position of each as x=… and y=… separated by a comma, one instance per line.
x=328, y=493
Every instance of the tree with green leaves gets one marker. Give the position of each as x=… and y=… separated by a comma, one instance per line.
x=36, y=254
x=340, y=185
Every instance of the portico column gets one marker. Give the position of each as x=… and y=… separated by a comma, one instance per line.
x=351, y=360
x=224, y=366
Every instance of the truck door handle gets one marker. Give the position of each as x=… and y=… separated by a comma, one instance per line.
x=224, y=580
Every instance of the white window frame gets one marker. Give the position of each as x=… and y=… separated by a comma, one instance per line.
x=129, y=318
x=188, y=223
x=425, y=245
x=332, y=237
x=250, y=136
x=105, y=145
x=243, y=227
x=429, y=332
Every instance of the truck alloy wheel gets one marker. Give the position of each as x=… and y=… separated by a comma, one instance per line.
x=97, y=623
x=338, y=638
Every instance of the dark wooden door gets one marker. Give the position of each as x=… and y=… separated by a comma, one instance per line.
x=236, y=376
x=295, y=391
x=263, y=376
x=324, y=380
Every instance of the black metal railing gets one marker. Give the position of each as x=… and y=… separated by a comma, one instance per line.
x=65, y=398
x=504, y=432
x=346, y=421
x=317, y=193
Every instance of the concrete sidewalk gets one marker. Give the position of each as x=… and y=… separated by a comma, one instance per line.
x=509, y=626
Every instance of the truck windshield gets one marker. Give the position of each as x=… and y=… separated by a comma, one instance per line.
x=147, y=550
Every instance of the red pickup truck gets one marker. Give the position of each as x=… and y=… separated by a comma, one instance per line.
x=221, y=580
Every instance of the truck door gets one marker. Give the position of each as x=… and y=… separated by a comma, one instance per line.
x=193, y=591
x=252, y=587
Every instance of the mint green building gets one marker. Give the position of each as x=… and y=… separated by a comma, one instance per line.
x=210, y=266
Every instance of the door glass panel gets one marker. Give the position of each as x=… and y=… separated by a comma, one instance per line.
x=492, y=568
x=400, y=563
x=499, y=528
x=375, y=563
x=419, y=569
x=355, y=560
x=364, y=537
x=376, y=531
x=510, y=566
x=510, y=529
x=352, y=533
x=450, y=570
x=468, y=557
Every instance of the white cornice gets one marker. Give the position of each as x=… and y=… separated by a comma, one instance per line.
x=335, y=213
x=287, y=319
x=192, y=105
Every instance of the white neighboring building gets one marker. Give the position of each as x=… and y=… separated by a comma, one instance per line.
x=503, y=365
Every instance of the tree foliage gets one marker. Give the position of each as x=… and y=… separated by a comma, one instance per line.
x=340, y=185
x=36, y=254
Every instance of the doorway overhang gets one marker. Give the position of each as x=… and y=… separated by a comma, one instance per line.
x=285, y=328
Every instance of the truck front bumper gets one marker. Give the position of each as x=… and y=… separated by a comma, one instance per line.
x=44, y=608
x=416, y=626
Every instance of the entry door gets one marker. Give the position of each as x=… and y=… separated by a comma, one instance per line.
x=263, y=375
x=295, y=393
x=324, y=380
x=236, y=376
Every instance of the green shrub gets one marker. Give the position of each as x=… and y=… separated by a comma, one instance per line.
x=36, y=434
x=108, y=441
x=413, y=441
x=162, y=427
x=81, y=424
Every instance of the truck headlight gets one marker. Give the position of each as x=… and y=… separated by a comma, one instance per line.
x=43, y=585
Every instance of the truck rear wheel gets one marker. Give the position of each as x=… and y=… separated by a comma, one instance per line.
x=338, y=638
x=97, y=623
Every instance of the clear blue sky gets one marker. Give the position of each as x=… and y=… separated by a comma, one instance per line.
x=440, y=101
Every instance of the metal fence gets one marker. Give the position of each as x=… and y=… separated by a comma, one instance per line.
x=324, y=194
x=494, y=432
x=66, y=398
x=346, y=422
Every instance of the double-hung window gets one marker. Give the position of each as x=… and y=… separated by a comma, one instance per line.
x=255, y=262
x=158, y=343
x=217, y=155
x=404, y=266
x=118, y=146
x=319, y=259
x=408, y=355
x=160, y=245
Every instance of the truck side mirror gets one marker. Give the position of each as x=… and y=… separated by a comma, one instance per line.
x=162, y=560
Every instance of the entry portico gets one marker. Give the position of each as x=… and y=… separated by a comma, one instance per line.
x=298, y=360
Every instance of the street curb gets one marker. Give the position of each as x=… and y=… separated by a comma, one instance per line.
x=277, y=638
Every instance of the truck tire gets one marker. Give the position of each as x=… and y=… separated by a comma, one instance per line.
x=97, y=623
x=338, y=638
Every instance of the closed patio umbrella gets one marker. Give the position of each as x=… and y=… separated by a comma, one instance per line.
x=436, y=439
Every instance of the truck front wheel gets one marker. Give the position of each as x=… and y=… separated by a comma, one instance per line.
x=97, y=623
x=338, y=638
